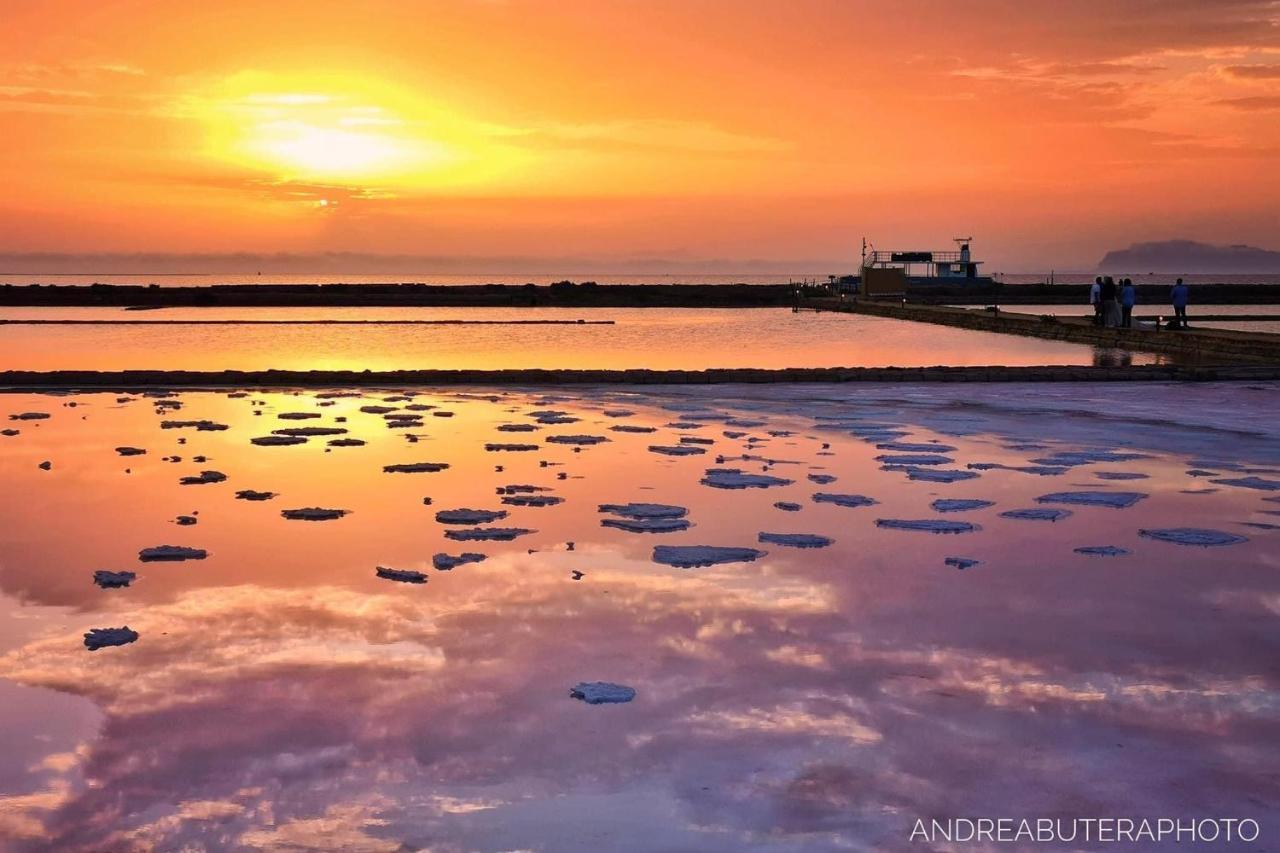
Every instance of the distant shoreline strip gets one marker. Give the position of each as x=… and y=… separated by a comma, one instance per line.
x=4, y=322
x=127, y=380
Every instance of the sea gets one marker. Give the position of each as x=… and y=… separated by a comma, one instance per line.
x=305, y=277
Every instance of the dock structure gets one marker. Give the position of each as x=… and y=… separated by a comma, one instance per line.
x=1202, y=346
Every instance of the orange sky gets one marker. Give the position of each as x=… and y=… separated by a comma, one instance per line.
x=1051, y=131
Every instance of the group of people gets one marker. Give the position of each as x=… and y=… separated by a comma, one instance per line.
x=1113, y=303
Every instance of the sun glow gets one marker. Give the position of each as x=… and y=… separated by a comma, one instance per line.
x=344, y=130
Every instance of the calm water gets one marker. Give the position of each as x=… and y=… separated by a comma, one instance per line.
x=280, y=696
x=673, y=338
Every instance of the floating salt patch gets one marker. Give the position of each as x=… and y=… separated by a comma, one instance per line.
x=796, y=540
x=199, y=426
x=1038, y=470
x=733, y=478
x=1215, y=463
x=532, y=500
x=1200, y=472
x=130, y=451
x=1193, y=536
x=676, y=450
x=960, y=504
x=203, y=478
x=313, y=513
x=1120, y=475
x=685, y=425
x=961, y=563
x=101, y=638
x=745, y=423
x=1261, y=525
x=647, y=525
x=323, y=395
x=583, y=440
x=617, y=413
x=311, y=430
x=822, y=479
x=30, y=416
x=1102, y=551
x=415, y=467
x=113, y=580
x=645, y=510
x=1036, y=514
x=470, y=516
x=1115, y=500
x=694, y=556
x=1199, y=491
x=557, y=419
x=521, y=489
x=251, y=495
x=277, y=440
x=517, y=427
x=732, y=434
x=400, y=575
x=297, y=416
x=45, y=466
x=419, y=407
x=171, y=553
x=913, y=459
x=939, y=475
x=10, y=432
x=1071, y=458
x=402, y=416
x=852, y=501
x=486, y=534
x=927, y=525
x=787, y=506
x=346, y=442
x=377, y=410
x=602, y=693
x=185, y=520
x=632, y=428
x=495, y=447
x=914, y=447
x=447, y=562
x=1258, y=483
x=693, y=439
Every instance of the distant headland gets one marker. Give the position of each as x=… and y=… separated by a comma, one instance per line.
x=1189, y=256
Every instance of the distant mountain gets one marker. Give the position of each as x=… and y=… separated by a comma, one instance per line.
x=1188, y=256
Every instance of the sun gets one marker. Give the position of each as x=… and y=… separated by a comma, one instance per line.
x=312, y=151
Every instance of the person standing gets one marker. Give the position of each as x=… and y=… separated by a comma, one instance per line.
x=1095, y=299
x=1110, y=307
x=1180, y=296
x=1128, y=297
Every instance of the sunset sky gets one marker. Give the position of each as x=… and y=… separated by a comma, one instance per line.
x=1050, y=131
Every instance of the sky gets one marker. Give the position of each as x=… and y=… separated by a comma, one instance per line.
x=735, y=130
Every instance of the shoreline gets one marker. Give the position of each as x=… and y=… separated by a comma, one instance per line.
x=124, y=380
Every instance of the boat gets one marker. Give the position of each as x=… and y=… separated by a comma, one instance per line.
x=889, y=272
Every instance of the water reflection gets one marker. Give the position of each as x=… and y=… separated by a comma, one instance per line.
x=656, y=338
x=1110, y=357
x=282, y=695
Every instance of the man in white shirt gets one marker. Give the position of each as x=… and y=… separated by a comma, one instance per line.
x=1095, y=299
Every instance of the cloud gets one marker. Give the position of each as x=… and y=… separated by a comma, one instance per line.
x=1253, y=72
x=1252, y=102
